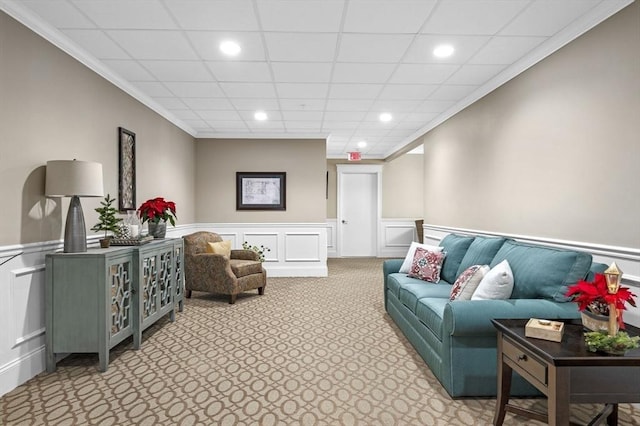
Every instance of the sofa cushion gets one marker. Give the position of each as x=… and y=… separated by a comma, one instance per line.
x=467, y=282
x=410, y=293
x=426, y=265
x=542, y=272
x=408, y=260
x=481, y=252
x=455, y=246
x=430, y=311
x=496, y=285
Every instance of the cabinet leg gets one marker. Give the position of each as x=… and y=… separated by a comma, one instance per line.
x=103, y=358
x=505, y=373
x=51, y=361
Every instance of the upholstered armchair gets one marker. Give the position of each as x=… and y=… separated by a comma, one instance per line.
x=217, y=273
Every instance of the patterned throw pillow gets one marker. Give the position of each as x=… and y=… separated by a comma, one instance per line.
x=426, y=265
x=408, y=260
x=467, y=282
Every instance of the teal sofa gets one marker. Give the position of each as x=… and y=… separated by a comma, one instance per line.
x=456, y=338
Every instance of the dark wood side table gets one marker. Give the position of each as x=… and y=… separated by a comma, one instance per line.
x=566, y=372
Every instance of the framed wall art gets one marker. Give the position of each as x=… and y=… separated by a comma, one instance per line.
x=127, y=170
x=261, y=190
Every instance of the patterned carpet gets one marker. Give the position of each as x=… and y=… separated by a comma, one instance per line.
x=311, y=351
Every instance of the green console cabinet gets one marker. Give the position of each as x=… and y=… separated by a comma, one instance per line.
x=96, y=299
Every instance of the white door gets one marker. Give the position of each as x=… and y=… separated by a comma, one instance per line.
x=358, y=214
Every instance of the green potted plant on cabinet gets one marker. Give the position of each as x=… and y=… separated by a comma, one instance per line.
x=107, y=220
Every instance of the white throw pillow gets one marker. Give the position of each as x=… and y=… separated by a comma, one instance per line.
x=467, y=282
x=497, y=284
x=408, y=261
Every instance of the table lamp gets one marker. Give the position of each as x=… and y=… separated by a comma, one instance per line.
x=75, y=179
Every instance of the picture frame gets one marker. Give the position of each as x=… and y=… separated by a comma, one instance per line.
x=127, y=170
x=261, y=190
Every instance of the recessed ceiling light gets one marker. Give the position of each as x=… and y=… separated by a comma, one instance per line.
x=443, y=51
x=385, y=116
x=229, y=47
x=260, y=115
x=362, y=144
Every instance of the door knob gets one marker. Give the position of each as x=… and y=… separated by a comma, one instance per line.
x=344, y=221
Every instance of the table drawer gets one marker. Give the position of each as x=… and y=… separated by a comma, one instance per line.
x=523, y=359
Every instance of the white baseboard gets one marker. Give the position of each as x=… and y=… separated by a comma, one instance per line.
x=21, y=369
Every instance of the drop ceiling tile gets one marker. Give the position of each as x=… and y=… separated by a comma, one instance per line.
x=451, y=92
x=208, y=103
x=362, y=73
x=336, y=125
x=60, y=14
x=475, y=74
x=349, y=104
x=124, y=14
x=169, y=45
x=233, y=15
x=302, y=115
x=226, y=115
x=178, y=70
x=376, y=48
x=153, y=89
x=301, y=47
x=272, y=115
x=473, y=17
x=223, y=126
x=421, y=50
x=245, y=104
x=420, y=118
x=129, y=70
x=195, y=89
x=344, y=115
x=423, y=73
x=406, y=91
x=206, y=44
x=185, y=114
x=171, y=103
x=373, y=118
x=97, y=43
x=434, y=106
x=396, y=105
x=302, y=104
x=354, y=91
x=258, y=126
x=302, y=16
x=505, y=50
x=302, y=90
x=248, y=90
x=314, y=126
x=300, y=72
x=379, y=16
x=199, y=125
x=546, y=17
x=240, y=71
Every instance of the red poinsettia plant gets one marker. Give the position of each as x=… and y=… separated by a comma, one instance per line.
x=595, y=297
x=156, y=210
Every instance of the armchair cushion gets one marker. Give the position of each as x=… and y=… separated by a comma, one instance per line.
x=242, y=268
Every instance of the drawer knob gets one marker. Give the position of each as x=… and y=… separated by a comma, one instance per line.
x=522, y=358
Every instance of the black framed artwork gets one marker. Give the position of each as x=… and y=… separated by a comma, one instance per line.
x=127, y=169
x=261, y=190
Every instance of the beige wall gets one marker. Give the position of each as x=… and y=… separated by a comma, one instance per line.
x=218, y=160
x=53, y=108
x=555, y=152
x=402, y=186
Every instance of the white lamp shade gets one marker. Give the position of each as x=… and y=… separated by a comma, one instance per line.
x=66, y=178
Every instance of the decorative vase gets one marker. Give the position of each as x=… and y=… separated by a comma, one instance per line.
x=595, y=322
x=158, y=229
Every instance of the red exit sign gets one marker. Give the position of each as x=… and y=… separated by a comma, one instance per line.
x=354, y=156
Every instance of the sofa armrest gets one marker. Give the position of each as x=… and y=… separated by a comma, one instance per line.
x=473, y=317
x=391, y=266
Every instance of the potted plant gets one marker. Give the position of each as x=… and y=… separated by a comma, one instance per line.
x=158, y=212
x=259, y=250
x=107, y=220
x=594, y=298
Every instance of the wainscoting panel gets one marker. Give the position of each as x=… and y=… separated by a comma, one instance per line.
x=396, y=236
x=627, y=259
x=27, y=297
x=296, y=249
x=332, y=249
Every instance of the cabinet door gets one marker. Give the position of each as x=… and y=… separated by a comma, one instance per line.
x=119, y=286
x=165, y=277
x=148, y=284
x=179, y=275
